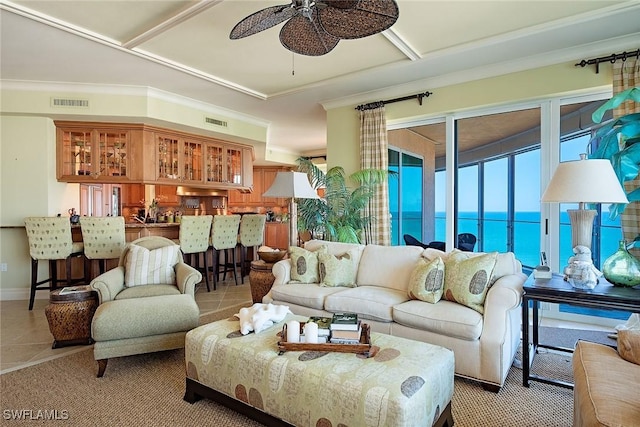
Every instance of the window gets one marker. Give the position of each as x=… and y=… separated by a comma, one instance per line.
x=405, y=196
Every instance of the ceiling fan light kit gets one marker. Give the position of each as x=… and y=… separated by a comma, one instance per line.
x=314, y=28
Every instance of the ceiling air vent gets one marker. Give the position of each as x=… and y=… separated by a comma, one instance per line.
x=212, y=121
x=65, y=102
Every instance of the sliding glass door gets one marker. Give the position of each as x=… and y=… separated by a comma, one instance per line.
x=406, y=195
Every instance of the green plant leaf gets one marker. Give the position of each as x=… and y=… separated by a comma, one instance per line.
x=632, y=94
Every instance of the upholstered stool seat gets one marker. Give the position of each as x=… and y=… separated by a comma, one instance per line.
x=194, y=241
x=251, y=235
x=104, y=239
x=224, y=237
x=50, y=240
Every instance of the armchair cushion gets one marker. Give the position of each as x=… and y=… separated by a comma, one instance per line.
x=150, y=267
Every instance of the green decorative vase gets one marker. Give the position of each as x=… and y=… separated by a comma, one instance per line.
x=622, y=268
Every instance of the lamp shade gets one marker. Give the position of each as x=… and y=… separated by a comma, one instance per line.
x=291, y=185
x=585, y=181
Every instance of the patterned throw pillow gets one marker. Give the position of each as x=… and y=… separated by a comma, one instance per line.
x=304, y=264
x=467, y=279
x=427, y=280
x=150, y=267
x=337, y=270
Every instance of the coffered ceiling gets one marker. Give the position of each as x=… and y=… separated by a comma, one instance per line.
x=183, y=47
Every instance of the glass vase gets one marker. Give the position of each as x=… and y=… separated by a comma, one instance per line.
x=622, y=268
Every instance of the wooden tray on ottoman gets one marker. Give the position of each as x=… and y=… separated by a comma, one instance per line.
x=365, y=348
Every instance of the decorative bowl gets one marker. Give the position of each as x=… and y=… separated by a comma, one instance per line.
x=271, y=256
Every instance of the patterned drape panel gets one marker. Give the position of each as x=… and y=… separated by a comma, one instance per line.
x=626, y=75
x=373, y=155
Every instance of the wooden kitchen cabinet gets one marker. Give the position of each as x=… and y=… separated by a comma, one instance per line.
x=276, y=235
x=133, y=195
x=166, y=195
x=98, y=152
x=263, y=177
x=89, y=152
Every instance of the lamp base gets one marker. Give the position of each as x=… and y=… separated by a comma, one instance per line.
x=581, y=226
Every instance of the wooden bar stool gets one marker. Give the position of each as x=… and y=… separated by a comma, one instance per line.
x=50, y=240
x=224, y=237
x=194, y=240
x=251, y=235
x=103, y=238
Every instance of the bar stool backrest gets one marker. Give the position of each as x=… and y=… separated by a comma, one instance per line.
x=252, y=229
x=194, y=233
x=103, y=237
x=50, y=238
x=224, y=233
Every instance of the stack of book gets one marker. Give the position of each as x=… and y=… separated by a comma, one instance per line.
x=345, y=329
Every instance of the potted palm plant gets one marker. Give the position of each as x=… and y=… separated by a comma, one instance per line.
x=338, y=216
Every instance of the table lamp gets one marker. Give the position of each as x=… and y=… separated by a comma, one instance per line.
x=584, y=181
x=292, y=185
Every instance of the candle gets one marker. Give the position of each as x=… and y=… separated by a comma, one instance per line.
x=293, y=331
x=311, y=333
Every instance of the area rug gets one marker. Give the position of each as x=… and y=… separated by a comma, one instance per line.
x=147, y=390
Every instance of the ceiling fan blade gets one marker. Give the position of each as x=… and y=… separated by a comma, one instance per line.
x=306, y=36
x=262, y=20
x=368, y=17
x=340, y=4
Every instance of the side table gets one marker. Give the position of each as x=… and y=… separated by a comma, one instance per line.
x=261, y=279
x=557, y=291
x=69, y=315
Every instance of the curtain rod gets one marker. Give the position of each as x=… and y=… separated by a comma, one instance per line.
x=373, y=105
x=611, y=58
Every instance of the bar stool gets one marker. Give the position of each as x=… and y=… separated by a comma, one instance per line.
x=50, y=240
x=194, y=240
x=224, y=237
x=103, y=238
x=251, y=235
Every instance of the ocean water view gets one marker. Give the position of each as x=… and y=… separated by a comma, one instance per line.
x=526, y=233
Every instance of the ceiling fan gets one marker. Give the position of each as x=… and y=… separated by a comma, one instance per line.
x=315, y=27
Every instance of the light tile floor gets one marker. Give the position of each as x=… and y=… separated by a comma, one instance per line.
x=25, y=338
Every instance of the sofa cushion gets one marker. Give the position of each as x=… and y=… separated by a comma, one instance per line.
x=370, y=302
x=467, y=278
x=337, y=270
x=427, y=280
x=444, y=318
x=150, y=267
x=629, y=345
x=304, y=294
x=388, y=266
x=335, y=248
x=304, y=264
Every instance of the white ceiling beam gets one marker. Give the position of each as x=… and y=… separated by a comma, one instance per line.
x=170, y=23
x=401, y=44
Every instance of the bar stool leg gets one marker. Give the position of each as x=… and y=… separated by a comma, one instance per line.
x=34, y=282
x=206, y=269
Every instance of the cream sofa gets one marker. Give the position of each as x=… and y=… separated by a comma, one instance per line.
x=484, y=344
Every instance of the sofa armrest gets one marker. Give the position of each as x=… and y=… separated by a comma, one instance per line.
x=503, y=296
x=108, y=284
x=282, y=272
x=187, y=278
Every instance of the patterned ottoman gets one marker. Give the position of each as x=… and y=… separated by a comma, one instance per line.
x=407, y=383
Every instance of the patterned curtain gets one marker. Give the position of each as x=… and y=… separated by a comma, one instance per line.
x=626, y=75
x=373, y=155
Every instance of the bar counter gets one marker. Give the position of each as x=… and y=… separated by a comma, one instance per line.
x=135, y=230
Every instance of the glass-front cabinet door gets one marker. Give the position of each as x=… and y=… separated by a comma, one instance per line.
x=92, y=153
x=112, y=153
x=192, y=161
x=214, y=163
x=76, y=153
x=168, y=158
x=234, y=166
